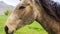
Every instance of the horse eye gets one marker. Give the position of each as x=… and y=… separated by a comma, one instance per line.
x=22, y=7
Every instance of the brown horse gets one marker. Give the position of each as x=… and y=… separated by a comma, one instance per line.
x=46, y=12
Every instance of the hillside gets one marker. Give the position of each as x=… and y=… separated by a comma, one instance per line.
x=4, y=6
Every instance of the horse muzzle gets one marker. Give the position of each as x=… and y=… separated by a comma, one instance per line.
x=6, y=30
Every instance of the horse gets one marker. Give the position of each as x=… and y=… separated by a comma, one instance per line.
x=45, y=12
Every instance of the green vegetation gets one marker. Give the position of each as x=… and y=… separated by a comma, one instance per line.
x=2, y=22
x=7, y=12
x=34, y=28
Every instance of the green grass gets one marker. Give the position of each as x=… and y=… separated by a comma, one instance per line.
x=2, y=22
x=34, y=28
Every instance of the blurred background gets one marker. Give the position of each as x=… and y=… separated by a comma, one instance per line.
x=6, y=7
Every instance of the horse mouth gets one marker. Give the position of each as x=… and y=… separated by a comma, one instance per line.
x=10, y=33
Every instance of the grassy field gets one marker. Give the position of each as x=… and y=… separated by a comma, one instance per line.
x=34, y=28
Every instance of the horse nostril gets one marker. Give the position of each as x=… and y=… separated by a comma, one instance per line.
x=21, y=7
x=6, y=29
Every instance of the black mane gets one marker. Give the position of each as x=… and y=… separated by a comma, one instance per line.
x=52, y=8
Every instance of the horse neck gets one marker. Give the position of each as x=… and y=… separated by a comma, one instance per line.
x=50, y=25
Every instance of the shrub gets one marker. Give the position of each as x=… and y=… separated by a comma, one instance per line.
x=7, y=12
